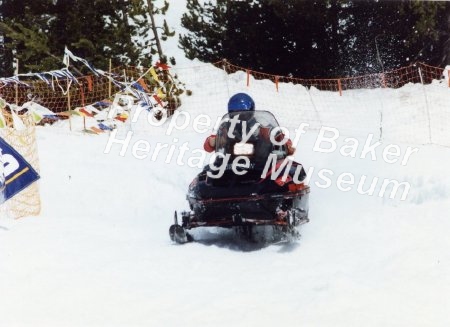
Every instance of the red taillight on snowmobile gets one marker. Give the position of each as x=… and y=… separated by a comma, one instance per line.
x=296, y=187
x=283, y=180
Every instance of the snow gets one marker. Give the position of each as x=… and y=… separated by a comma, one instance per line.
x=99, y=254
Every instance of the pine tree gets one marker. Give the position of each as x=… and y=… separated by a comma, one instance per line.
x=277, y=36
x=24, y=26
x=36, y=32
x=97, y=30
x=207, y=25
x=149, y=31
x=237, y=30
x=388, y=35
x=326, y=38
x=430, y=31
x=315, y=36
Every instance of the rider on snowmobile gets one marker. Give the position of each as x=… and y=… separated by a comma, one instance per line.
x=243, y=103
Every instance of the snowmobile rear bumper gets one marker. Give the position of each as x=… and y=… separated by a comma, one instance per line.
x=241, y=222
x=280, y=209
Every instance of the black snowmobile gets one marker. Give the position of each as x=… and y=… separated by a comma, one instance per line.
x=251, y=183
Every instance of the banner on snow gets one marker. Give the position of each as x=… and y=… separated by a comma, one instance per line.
x=16, y=173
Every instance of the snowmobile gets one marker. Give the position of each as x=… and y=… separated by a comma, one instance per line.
x=250, y=183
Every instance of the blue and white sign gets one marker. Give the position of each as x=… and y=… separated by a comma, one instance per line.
x=16, y=173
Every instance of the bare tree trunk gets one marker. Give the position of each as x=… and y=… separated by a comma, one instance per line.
x=155, y=31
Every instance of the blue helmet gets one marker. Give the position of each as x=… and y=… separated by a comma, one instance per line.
x=241, y=102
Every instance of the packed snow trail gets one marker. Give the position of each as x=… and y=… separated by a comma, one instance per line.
x=100, y=255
